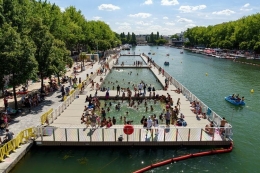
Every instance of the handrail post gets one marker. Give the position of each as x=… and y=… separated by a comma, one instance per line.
x=115, y=134
x=189, y=135
x=53, y=133
x=103, y=135
x=164, y=135
x=41, y=134
x=66, y=135
x=78, y=134
x=201, y=134
x=213, y=135
x=90, y=132
x=140, y=131
x=127, y=137
x=176, y=134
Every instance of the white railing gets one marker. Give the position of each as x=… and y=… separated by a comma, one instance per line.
x=212, y=116
x=162, y=134
x=57, y=111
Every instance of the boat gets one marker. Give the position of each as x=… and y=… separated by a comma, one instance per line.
x=166, y=63
x=167, y=54
x=234, y=101
x=153, y=54
x=181, y=52
x=149, y=53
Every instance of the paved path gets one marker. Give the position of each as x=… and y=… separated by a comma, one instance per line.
x=32, y=119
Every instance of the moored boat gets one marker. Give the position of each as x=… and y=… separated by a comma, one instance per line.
x=235, y=101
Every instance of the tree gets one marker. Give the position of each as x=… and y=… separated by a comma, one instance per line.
x=152, y=38
x=157, y=36
x=17, y=55
x=60, y=58
x=43, y=41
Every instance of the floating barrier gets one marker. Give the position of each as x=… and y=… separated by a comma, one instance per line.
x=188, y=156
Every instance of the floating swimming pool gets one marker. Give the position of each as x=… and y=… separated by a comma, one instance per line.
x=127, y=77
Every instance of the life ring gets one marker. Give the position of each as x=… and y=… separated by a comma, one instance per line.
x=128, y=129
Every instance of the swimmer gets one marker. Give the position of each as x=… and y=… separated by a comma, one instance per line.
x=127, y=113
x=151, y=108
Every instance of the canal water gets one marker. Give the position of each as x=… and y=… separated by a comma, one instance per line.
x=210, y=79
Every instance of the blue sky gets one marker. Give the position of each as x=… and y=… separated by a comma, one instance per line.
x=166, y=16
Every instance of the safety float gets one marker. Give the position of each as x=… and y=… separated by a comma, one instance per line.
x=188, y=156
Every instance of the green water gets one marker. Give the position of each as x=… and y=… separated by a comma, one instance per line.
x=135, y=113
x=129, y=60
x=127, y=77
x=224, y=77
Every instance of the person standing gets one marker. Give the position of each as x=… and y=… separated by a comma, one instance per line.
x=149, y=125
x=118, y=90
x=155, y=124
x=168, y=117
x=6, y=102
x=8, y=137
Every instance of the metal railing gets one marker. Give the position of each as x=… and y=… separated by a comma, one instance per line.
x=161, y=134
x=212, y=116
x=13, y=144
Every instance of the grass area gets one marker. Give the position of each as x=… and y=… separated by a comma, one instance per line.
x=253, y=61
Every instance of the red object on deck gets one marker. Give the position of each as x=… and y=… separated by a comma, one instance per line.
x=128, y=129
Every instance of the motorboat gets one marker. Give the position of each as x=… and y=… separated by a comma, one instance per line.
x=235, y=101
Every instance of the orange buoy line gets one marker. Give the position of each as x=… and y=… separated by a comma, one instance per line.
x=188, y=156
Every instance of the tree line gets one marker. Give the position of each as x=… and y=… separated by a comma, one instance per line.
x=152, y=38
x=37, y=38
x=243, y=34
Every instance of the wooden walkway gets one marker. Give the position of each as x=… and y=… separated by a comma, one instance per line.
x=192, y=134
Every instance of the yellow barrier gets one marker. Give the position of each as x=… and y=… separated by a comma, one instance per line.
x=12, y=145
x=44, y=117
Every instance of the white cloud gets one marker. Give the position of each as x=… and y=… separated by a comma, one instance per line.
x=190, y=25
x=123, y=24
x=143, y=23
x=165, y=18
x=246, y=5
x=124, y=28
x=148, y=2
x=244, y=8
x=188, y=9
x=184, y=20
x=62, y=9
x=97, y=18
x=169, y=2
x=108, y=7
x=141, y=15
x=169, y=23
x=226, y=12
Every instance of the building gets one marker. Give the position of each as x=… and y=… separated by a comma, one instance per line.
x=141, y=39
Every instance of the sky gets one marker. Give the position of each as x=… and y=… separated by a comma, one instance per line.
x=168, y=17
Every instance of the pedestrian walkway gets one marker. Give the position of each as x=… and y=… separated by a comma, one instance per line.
x=32, y=119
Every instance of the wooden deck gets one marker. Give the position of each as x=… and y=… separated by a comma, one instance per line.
x=68, y=129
